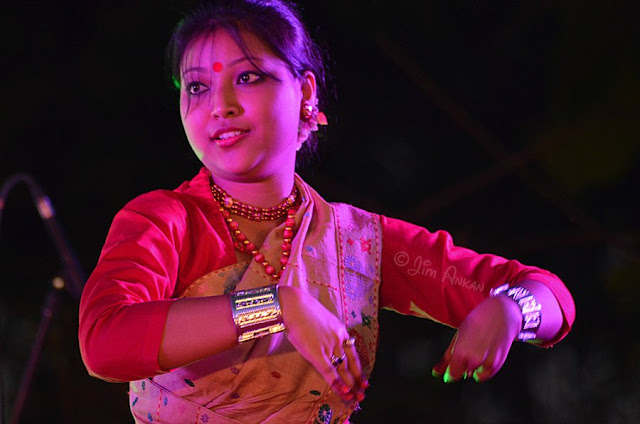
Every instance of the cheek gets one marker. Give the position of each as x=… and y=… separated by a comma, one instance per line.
x=192, y=124
x=285, y=112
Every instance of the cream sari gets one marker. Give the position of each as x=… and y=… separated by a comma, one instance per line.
x=335, y=257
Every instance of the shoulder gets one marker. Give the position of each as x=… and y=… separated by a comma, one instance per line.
x=165, y=206
x=347, y=210
x=156, y=203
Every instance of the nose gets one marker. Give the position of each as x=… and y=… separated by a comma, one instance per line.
x=224, y=102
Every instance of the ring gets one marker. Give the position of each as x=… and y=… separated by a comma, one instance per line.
x=349, y=342
x=337, y=360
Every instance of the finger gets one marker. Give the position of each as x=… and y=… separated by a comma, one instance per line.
x=490, y=366
x=344, y=370
x=355, y=369
x=456, y=370
x=339, y=387
x=440, y=367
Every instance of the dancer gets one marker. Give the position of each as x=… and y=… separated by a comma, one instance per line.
x=242, y=295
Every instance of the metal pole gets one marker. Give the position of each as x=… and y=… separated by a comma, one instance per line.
x=48, y=311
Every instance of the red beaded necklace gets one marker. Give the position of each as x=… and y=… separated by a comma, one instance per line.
x=251, y=212
x=242, y=244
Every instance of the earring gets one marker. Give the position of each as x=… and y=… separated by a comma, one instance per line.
x=310, y=118
x=307, y=111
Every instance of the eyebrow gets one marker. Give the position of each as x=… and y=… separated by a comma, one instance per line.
x=245, y=58
x=232, y=63
x=194, y=69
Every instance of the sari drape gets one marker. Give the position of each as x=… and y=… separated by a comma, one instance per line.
x=335, y=257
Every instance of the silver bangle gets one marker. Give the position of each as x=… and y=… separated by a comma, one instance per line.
x=529, y=306
x=256, y=313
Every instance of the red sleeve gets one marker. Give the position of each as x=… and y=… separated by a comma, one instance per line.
x=424, y=274
x=127, y=297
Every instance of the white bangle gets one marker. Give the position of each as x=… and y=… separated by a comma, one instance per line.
x=529, y=306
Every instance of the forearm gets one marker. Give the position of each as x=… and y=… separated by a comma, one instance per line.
x=196, y=328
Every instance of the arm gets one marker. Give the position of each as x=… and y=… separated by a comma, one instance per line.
x=196, y=328
x=425, y=274
x=480, y=350
x=127, y=298
x=146, y=261
x=314, y=331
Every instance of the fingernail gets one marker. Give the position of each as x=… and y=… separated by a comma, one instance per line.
x=476, y=373
x=435, y=373
x=464, y=376
x=360, y=397
x=447, y=376
x=347, y=396
x=364, y=384
x=341, y=387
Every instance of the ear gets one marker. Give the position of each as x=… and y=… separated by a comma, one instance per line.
x=308, y=87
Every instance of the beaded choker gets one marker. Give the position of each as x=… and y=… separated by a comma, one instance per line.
x=251, y=212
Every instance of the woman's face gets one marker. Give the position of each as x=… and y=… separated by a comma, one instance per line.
x=241, y=123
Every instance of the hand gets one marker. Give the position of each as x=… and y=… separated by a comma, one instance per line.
x=318, y=335
x=482, y=342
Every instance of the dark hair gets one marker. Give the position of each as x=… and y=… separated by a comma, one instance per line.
x=275, y=22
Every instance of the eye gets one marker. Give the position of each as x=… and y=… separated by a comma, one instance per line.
x=249, y=78
x=196, y=88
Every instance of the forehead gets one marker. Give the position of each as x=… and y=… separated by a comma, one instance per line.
x=219, y=46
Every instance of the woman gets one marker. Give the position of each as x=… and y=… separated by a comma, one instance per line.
x=242, y=296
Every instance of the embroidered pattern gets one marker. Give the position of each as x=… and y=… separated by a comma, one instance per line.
x=189, y=382
x=365, y=245
x=324, y=414
x=366, y=320
x=356, y=286
x=351, y=262
x=231, y=281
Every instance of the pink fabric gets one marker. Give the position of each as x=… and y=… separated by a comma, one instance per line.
x=425, y=274
x=163, y=240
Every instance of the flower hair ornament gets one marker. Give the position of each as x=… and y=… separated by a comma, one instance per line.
x=310, y=118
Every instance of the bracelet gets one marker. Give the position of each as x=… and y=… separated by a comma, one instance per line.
x=256, y=313
x=529, y=306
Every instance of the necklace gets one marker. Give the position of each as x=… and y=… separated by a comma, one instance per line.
x=243, y=245
x=251, y=212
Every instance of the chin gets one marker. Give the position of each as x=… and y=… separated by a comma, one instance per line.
x=237, y=172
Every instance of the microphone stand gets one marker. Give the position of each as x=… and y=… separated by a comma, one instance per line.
x=72, y=272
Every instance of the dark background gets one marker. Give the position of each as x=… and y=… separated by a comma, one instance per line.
x=513, y=125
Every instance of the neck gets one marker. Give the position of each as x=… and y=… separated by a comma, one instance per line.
x=262, y=193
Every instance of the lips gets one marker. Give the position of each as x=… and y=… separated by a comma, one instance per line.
x=227, y=137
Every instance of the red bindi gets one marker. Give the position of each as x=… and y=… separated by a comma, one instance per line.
x=217, y=67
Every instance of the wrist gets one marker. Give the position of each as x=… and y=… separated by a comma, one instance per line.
x=529, y=307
